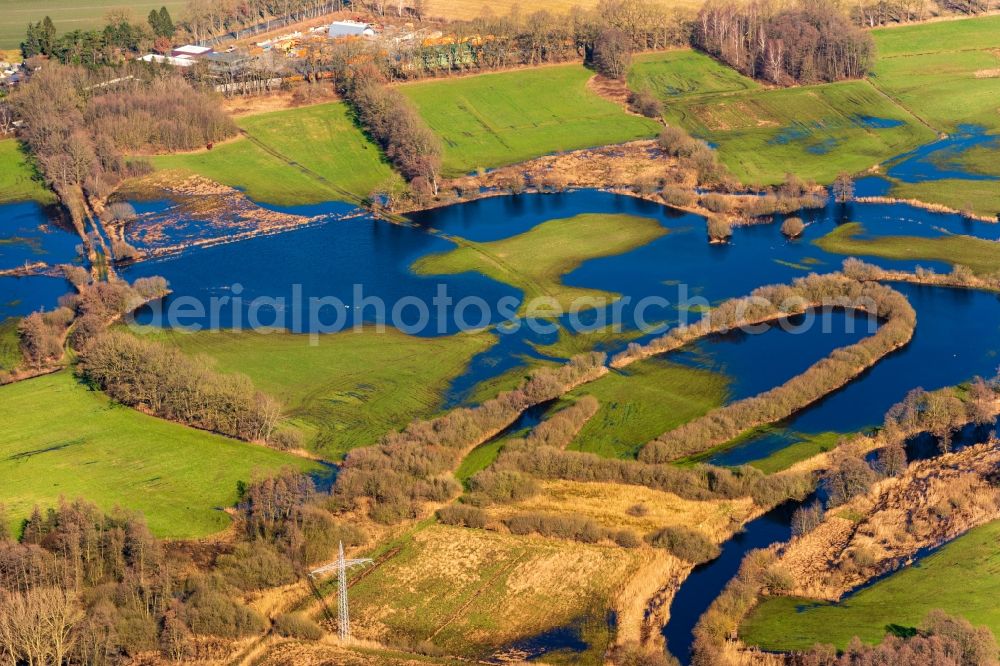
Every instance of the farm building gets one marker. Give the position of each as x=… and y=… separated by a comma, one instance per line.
x=191, y=51
x=179, y=61
x=230, y=64
x=340, y=29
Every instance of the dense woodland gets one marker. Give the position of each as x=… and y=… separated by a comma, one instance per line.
x=79, y=124
x=83, y=587
x=805, y=43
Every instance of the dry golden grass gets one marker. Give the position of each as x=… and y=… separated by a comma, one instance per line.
x=933, y=502
x=735, y=653
x=608, y=504
x=470, y=9
x=472, y=592
x=328, y=652
x=643, y=604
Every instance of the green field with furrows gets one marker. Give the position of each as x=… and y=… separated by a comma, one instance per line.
x=296, y=156
x=645, y=400
x=18, y=180
x=962, y=578
x=815, y=131
x=69, y=15
x=349, y=388
x=673, y=74
x=61, y=439
x=536, y=260
x=492, y=120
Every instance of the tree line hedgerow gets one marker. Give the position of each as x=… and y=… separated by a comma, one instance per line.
x=415, y=465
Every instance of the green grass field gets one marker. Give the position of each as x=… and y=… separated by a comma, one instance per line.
x=60, y=439
x=962, y=578
x=674, y=74
x=492, y=120
x=18, y=181
x=322, y=139
x=651, y=397
x=349, y=389
x=982, y=256
x=69, y=15
x=815, y=131
x=536, y=260
x=10, y=344
x=973, y=33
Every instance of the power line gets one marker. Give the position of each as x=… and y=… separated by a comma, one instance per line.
x=341, y=566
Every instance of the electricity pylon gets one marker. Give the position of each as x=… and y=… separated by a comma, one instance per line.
x=341, y=566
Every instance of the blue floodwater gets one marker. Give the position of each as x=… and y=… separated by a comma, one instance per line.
x=27, y=235
x=707, y=580
x=956, y=335
x=873, y=122
x=341, y=256
x=935, y=160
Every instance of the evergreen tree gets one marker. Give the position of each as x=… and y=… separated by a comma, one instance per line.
x=166, y=23
x=39, y=38
x=48, y=35
x=31, y=46
x=154, y=22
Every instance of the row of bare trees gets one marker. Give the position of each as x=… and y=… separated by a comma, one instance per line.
x=807, y=42
x=415, y=465
x=606, y=36
x=164, y=381
x=727, y=422
x=79, y=124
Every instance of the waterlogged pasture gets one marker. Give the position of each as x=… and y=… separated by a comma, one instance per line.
x=345, y=390
x=678, y=265
x=948, y=75
x=982, y=256
x=492, y=120
x=817, y=131
x=536, y=260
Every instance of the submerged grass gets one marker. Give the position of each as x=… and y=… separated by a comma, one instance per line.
x=962, y=578
x=982, y=256
x=809, y=445
x=61, y=439
x=536, y=261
